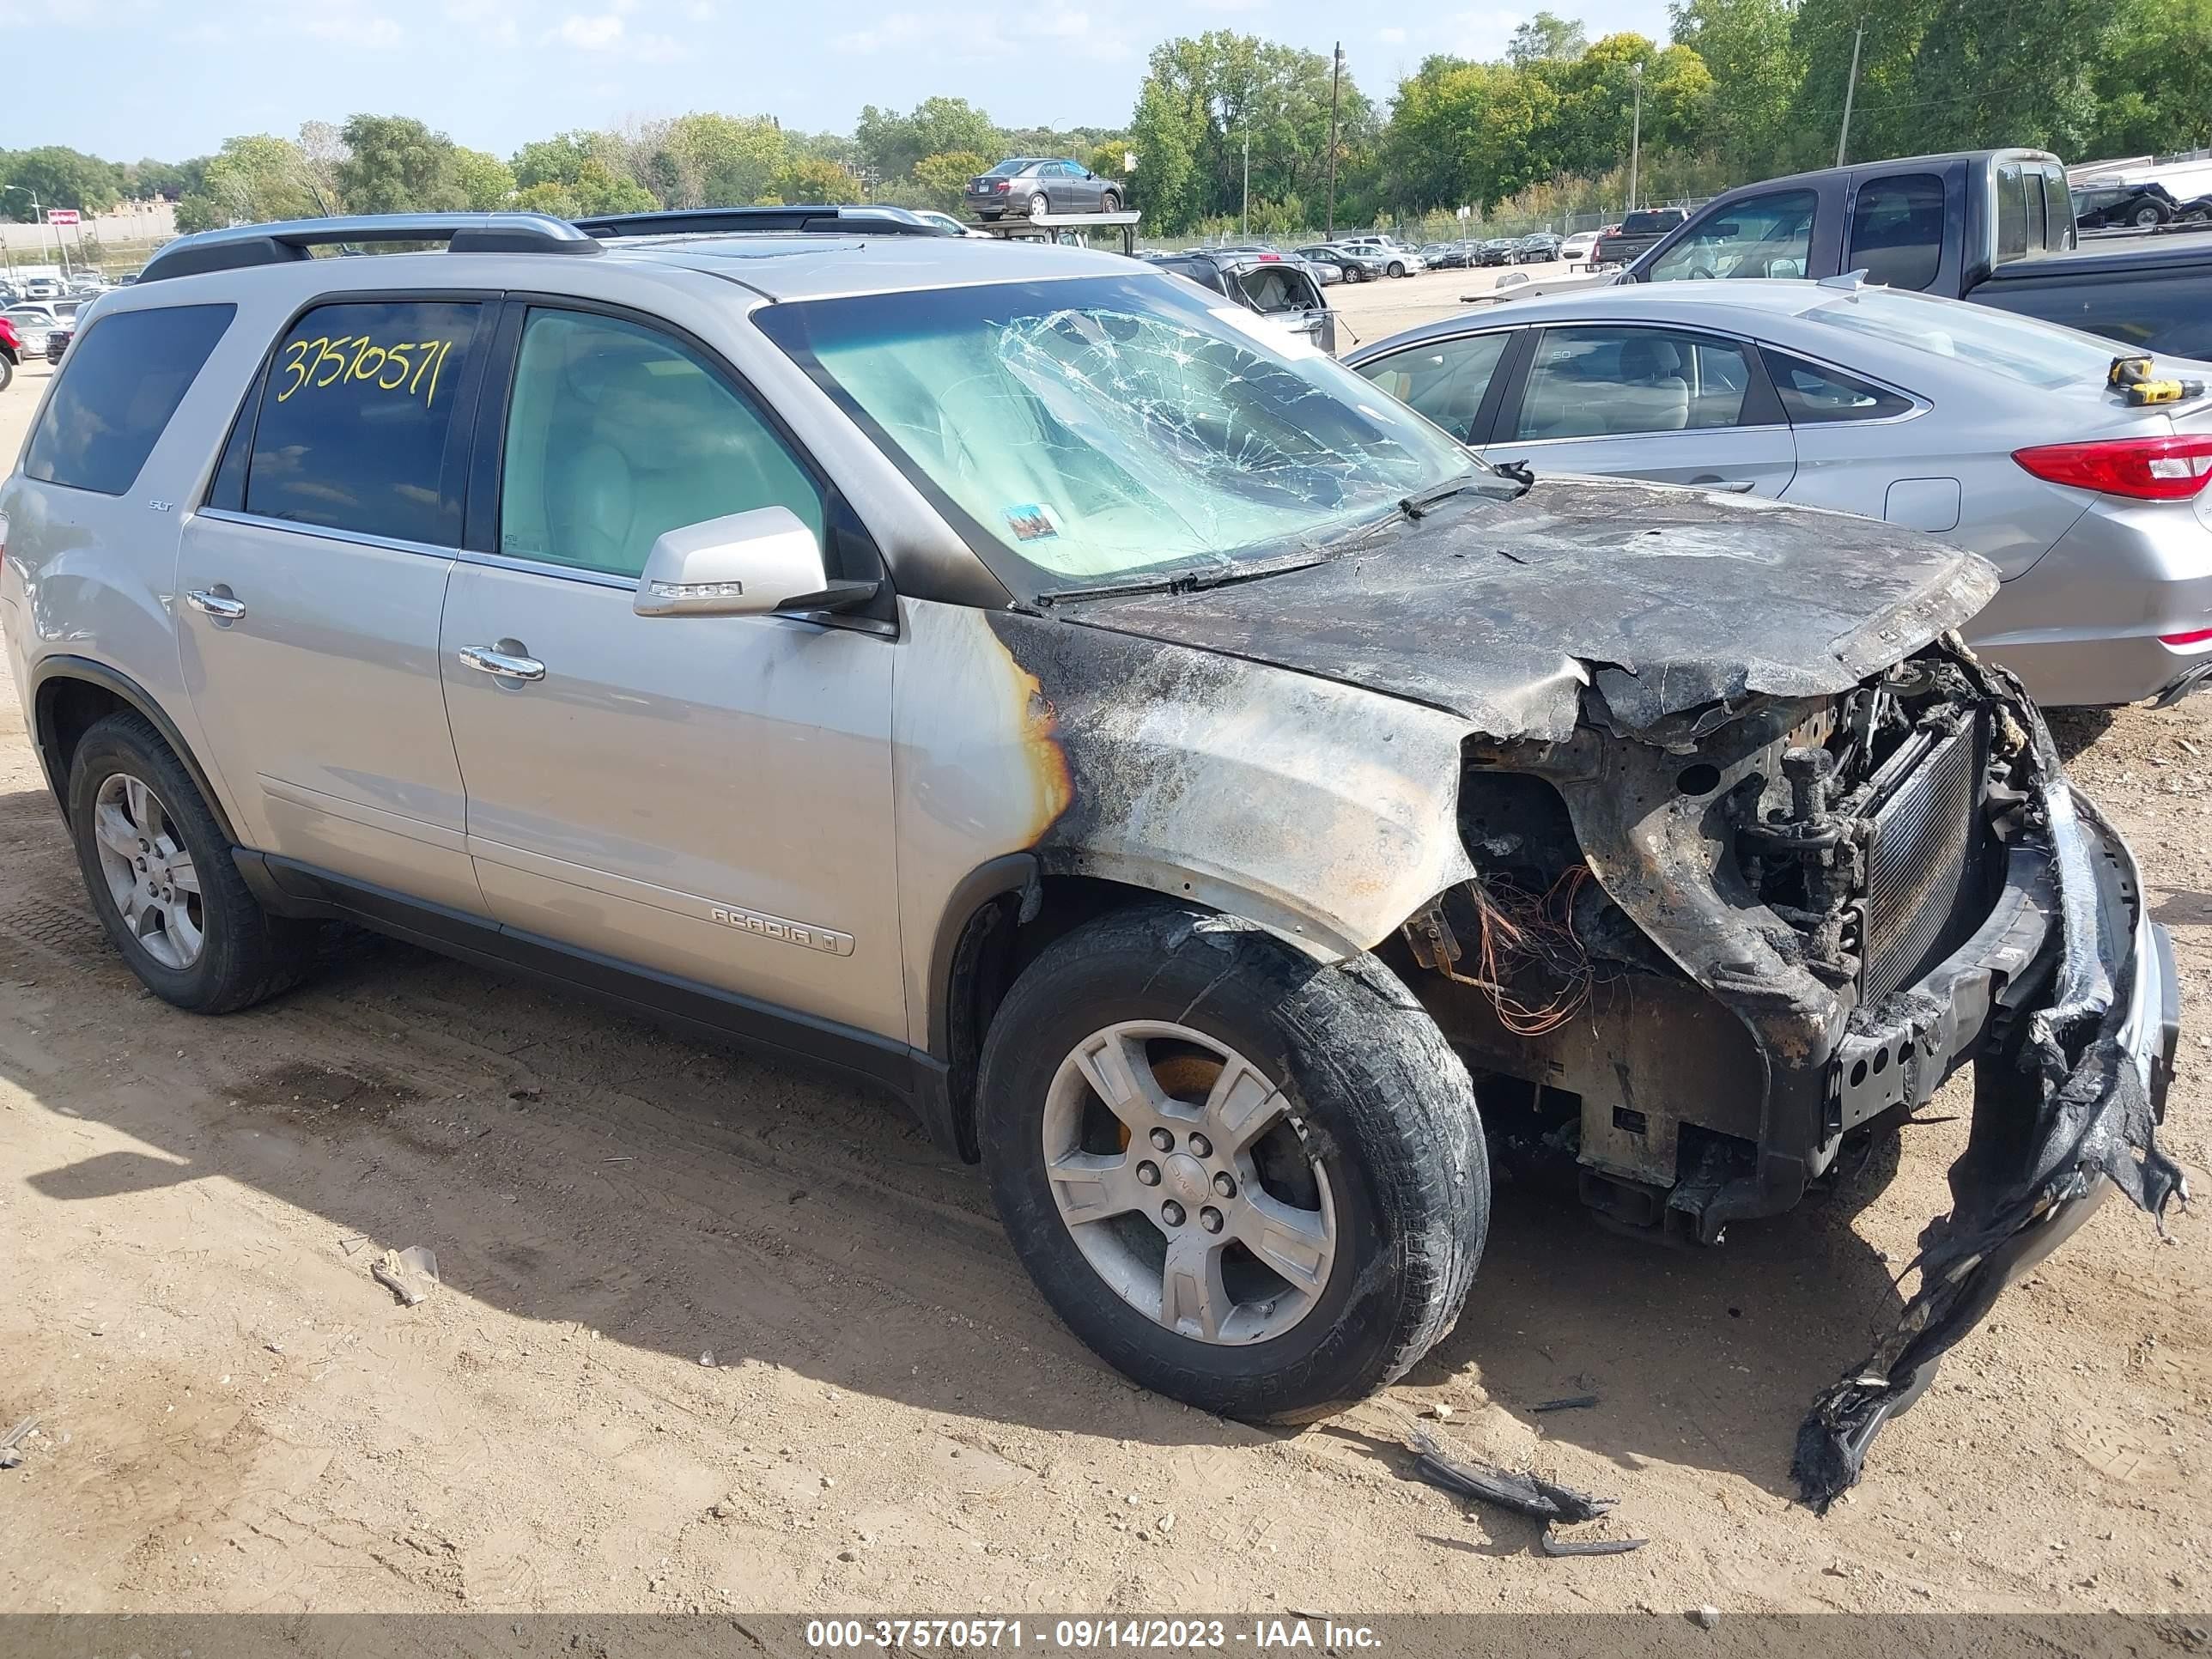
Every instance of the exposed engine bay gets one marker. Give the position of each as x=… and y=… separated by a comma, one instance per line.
x=1699, y=957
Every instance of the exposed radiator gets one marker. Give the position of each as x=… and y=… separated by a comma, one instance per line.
x=1922, y=865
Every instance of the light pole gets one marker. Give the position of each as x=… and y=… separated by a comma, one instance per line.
x=1244, y=213
x=1335, y=70
x=1636, y=129
x=1850, y=86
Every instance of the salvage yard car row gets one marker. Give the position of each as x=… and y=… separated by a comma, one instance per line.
x=1205, y=791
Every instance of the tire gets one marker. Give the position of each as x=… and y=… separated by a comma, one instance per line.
x=1372, y=1147
x=243, y=954
x=1040, y=202
x=6, y=373
x=2148, y=214
x=1397, y=268
x=1110, y=202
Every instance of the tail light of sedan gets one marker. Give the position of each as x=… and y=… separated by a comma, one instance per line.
x=2168, y=469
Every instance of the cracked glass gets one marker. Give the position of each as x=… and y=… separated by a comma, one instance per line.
x=1104, y=430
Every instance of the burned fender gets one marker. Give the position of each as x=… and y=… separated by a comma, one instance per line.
x=1320, y=810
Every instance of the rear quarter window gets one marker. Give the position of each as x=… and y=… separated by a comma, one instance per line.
x=119, y=384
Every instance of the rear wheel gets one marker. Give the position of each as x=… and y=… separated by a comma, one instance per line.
x=2149, y=214
x=1110, y=202
x=159, y=873
x=1397, y=267
x=1250, y=1182
x=6, y=373
x=1038, y=203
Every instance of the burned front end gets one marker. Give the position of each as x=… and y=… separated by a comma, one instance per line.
x=1702, y=953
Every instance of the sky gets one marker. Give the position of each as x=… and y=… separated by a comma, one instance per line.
x=172, y=78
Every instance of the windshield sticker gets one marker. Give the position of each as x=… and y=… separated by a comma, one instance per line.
x=1030, y=522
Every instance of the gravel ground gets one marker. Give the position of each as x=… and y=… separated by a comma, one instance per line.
x=233, y=1416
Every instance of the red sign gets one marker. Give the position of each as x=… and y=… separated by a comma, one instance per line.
x=61, y=216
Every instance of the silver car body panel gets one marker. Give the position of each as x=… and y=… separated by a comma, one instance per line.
x=2090, y=581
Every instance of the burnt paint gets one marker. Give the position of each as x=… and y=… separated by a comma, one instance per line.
x=1665, y=600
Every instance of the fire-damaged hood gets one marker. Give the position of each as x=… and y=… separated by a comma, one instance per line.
x=1501, y=611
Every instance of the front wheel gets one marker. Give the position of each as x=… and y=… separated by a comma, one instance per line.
x=1397, y=268
x=1110, y=202
x=1248, y=1181
x=6, y=373
x=2149, y=215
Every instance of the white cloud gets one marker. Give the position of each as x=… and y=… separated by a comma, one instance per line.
x=982, y=36
x=491, y=21
x=352, y=25
x=599, y=33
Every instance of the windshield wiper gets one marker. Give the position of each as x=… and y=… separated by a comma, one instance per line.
x=1417, y=507
x=1185, y=581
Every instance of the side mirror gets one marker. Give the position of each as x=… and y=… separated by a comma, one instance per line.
x=744, y=564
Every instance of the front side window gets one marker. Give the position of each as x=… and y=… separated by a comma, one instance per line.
x=1614, y=381
x=355, y=430
x=1101, y=430
x=1760, y=236
x=1445, y=379
x=1897, y=230
x=120, y=384
x=1812, y=395
x=617, y=434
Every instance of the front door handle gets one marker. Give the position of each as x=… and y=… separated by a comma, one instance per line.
x=216, y=602
x=1731, y=486
x=505, y=659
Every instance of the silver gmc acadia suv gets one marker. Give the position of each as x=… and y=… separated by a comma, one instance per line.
x=1189, y=779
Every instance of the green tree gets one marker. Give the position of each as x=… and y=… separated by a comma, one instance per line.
x=251, y=180
x=811, y=180
x=1748, y=47
x=2154, y=82
x=942, y=178
x=890, y=143
x=170, y=179
x=1545, y=37
x=587, y=176
x=61, y=177
x=485, y=182
x=726, y=160
x=395, y=164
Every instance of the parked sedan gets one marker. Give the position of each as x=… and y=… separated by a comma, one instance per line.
x=1994, y=432
x=1493, y=251
x=1575, y=250
x=2139, y=206
x=1356, y=267
x=1536, y=248
x=58, y=339
x=1033, y=185
x=32, y=324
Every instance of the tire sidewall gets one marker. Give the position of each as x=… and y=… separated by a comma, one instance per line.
x=114, y=746
x=1328, y=1356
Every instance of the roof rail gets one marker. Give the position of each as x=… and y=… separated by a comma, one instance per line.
x=243, y=245
x=821, y=219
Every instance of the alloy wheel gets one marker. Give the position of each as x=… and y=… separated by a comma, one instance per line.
x=1183, y=1179
x=150, y=871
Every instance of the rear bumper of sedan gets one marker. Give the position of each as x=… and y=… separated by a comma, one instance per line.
x=2107, y=615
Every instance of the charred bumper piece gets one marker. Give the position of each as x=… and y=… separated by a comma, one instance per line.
x=2062, y=1114
x=1731, y=938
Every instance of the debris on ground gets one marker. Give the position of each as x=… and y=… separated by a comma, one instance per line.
x=1571, y=1402
x=11, y=1445
x=1706, y=1617
x=409, y=1274
x=351, y=1242
x=1529, y=1494
x=1437, y=1409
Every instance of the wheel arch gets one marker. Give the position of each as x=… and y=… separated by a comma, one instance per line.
x=69, y=694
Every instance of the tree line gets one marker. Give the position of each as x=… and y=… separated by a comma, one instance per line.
x=1223, y=122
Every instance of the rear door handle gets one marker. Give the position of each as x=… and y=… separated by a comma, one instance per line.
x=1731, y=486
x=216, y=602
x=509, y=664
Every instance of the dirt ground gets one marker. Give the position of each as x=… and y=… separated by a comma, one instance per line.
x=233, y=1416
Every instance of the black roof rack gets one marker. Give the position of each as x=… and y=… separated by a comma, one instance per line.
x=243, y=245
x=816, y=220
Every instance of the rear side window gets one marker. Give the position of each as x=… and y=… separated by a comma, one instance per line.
x=1812, y=395
x=1897, y=230
x=2012, y=213
x=119, y=385
x=355, y=430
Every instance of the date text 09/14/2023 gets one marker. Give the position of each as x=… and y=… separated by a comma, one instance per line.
x=1079, y=1635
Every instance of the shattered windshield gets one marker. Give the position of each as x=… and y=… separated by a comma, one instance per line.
x=1111, y=429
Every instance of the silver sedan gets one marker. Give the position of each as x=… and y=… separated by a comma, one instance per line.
x=1994, y=431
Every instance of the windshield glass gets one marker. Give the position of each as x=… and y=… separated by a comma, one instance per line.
x=2018, y=348
x=1109, y=429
